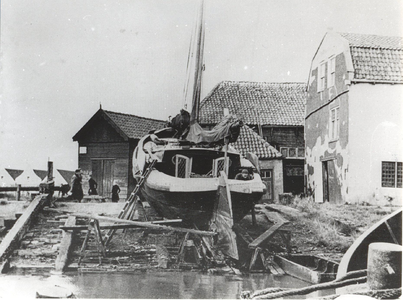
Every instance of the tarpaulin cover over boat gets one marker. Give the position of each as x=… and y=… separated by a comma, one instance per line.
x=227, y=131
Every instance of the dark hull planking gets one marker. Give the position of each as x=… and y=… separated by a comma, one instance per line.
x=195, y=207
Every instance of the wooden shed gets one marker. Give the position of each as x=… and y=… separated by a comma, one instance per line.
x=105, y=148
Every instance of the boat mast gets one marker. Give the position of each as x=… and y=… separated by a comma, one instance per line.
x=194, y=116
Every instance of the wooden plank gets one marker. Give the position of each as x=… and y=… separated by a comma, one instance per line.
x=254, y=257
x=274, y=217
x=264, y=236
x=117, y=226
x=144, y=224
x=98, y=237
x=14, y=236
x=65, y=246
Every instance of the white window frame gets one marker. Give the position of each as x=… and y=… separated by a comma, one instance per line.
x=321, y=76
x=334, y=123
x=396, y=175
x=82, y=150
x=216, y=171
x=281, y=151
x=331, y=74
x=188, y=167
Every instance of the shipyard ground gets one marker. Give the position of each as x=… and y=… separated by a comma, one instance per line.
x=143, y=249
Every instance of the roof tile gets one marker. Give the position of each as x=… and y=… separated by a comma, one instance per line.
x=250, y=141
x=376, y=58
x=255, y=103
x=134, y=126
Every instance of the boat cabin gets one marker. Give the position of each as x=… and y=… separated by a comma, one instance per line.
x=180, y=159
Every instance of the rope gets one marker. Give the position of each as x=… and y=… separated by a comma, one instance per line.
x=271, y=293
x=378, y=294
x=313, y=288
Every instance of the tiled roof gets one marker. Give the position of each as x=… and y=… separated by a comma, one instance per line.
x=255, y=103
x=134, y=126
x=376, y=58
x=250, y=141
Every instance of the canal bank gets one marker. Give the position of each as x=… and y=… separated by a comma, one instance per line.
x=142, y=252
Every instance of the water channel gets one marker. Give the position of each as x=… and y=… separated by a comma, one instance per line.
x=151, y=285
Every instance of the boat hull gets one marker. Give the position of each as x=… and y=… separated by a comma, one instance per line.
x=387, y=230
x=195, y=207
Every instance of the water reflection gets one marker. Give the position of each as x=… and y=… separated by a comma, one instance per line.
x=175, y=285
x=167, y=285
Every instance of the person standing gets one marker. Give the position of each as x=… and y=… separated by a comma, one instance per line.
x=115, y=192
x=76, y=190
x=93, y=186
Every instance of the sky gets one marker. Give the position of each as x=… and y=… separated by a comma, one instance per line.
x=61, y=59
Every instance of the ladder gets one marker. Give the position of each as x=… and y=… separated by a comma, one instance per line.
x=130, y=203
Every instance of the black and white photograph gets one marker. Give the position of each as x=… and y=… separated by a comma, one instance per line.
x=201, y=149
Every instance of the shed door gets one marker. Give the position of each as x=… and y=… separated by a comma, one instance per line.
x=102, y=172
x=267, y=178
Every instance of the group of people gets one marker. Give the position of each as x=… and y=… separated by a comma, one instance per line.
x=76, y=190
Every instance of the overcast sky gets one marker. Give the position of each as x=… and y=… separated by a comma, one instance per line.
x=62, y=58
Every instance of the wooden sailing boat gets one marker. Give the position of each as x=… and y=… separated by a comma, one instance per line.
x=187, y=162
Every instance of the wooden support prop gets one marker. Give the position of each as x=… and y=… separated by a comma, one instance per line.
x=144, y=224
x=254, y=258
x=84, y=245
x=98, y=236
x=117, y=226
x=253, y=215
x=266, y=235
x=65, y=245
x=286, y=236
x=18, y=192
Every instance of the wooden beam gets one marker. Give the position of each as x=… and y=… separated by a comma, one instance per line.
x=117, y=226
x=264, y=236
x=144, y=224
x=14, y=236
x=65, y=246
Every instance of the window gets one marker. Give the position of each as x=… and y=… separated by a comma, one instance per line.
x=284, y=151
x=321, y=75
x=183, y=166
x=266, y=173
x=292, y=152
x=334, y=124
x=391, y=174
x=219, y=164
x=332, y=72
x=83, y=150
